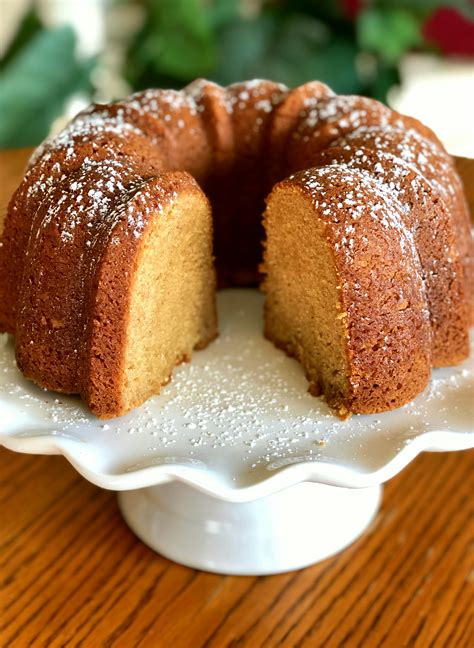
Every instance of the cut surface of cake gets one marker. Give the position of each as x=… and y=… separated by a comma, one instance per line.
x=109, y=244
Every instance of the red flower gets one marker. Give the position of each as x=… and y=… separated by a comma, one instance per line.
x=451, y=31
x=352, y=7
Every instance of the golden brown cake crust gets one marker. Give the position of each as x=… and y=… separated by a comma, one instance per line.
x=428, y=219
x=416, y=145
x=52, y=167
x=72, y=229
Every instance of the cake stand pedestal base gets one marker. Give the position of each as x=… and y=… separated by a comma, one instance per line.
x=291, y=529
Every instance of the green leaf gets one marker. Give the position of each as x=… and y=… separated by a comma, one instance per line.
x=332, y=10
x=388, y=33
x=385, y=78
x=291, y=49
x=221, y=12
x=29, y=27
x=426, y=7
x=177, y=40
x=235, y=62
x=35, y=84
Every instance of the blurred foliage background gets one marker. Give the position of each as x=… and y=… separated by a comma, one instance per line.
x=354, y=46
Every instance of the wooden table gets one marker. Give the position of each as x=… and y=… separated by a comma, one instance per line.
x=72, y=574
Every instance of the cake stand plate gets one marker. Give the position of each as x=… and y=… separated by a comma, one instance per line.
x=234, y=467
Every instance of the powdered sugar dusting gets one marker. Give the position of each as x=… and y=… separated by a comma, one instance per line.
x=411, y=147
x=334, y=187
x=86, y=127
x=161, y=104
x=344, y=113
x=256, y=95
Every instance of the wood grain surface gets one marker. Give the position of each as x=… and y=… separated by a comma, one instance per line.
x=72, y=574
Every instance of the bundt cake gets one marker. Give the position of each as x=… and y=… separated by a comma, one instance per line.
x=108, y=245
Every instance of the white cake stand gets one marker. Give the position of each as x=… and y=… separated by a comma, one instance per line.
x=235, y=468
